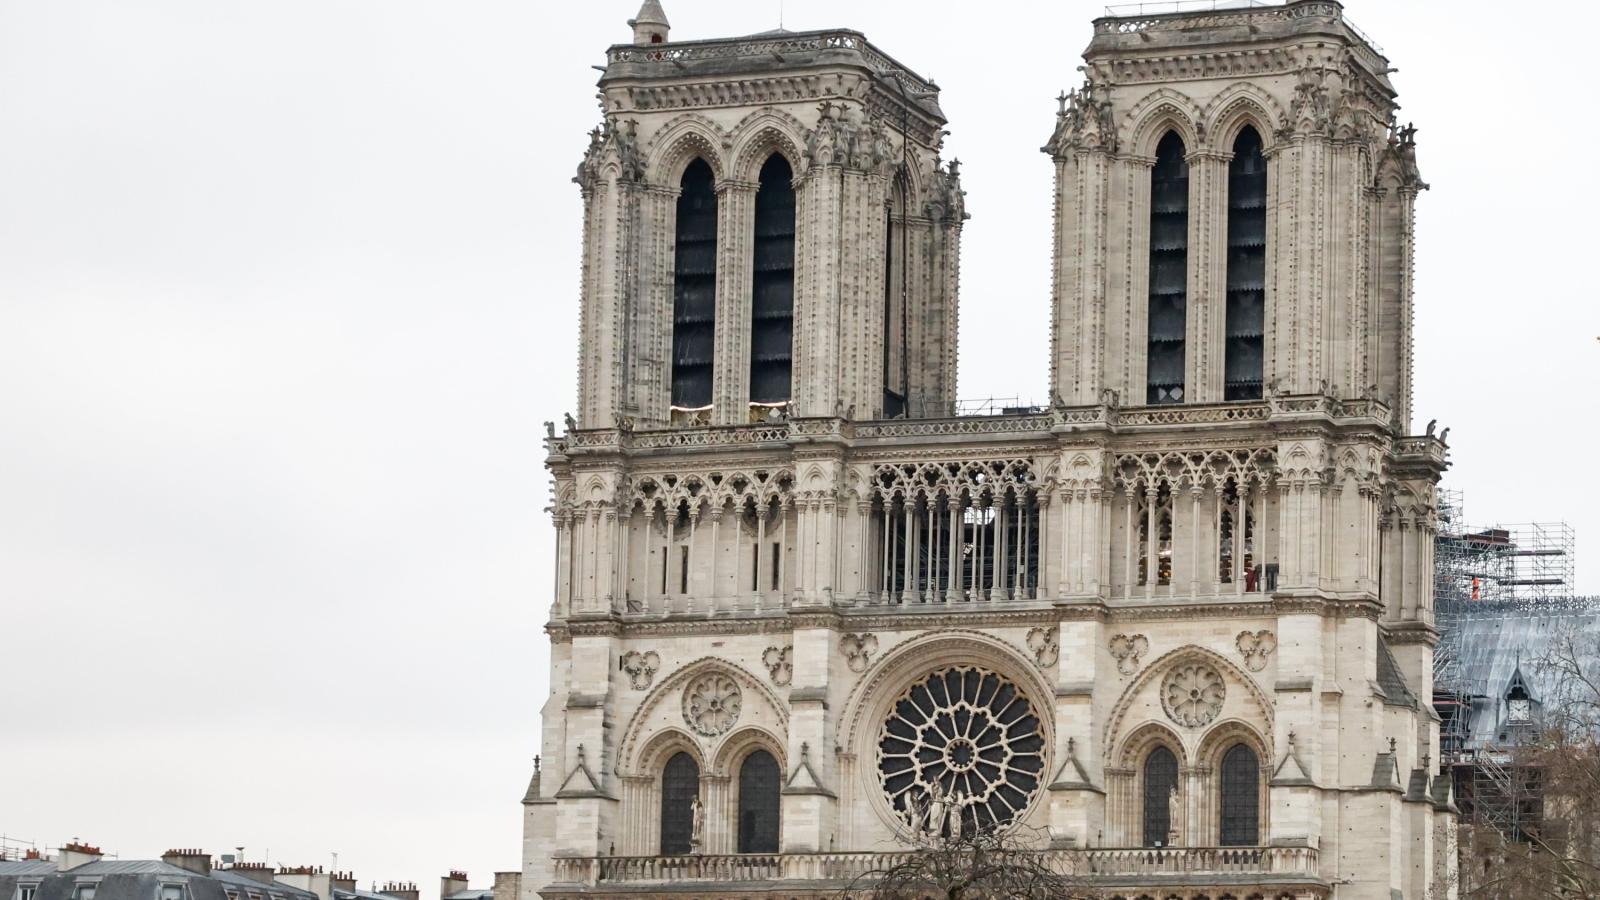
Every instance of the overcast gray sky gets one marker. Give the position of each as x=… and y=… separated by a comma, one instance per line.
x=286, y=289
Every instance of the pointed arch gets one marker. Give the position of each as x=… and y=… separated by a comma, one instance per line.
x=1232, y=674
x=772, y=285
x=1240, y=105
x=1244, y=325
x=679, y=142
x=694, y=287
x=638, y=745
x=761, y=134
x=1167, y=310
x=1157, y=113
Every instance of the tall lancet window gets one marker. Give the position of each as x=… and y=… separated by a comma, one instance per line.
x=1160, y=780
x=1169, y=272
x=694, y=289
x=680, y=786
x=1241, y=797
x=894, y=305
x=1247, y=268
x=772, y=300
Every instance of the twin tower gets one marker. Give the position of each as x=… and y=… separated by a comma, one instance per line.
x=770, y=230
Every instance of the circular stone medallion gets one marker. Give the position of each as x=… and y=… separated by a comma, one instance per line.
x=711, y=703
x=1192, y=695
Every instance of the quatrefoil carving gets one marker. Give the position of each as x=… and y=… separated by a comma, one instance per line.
x=1126, y=649
x=780, y=662
x=641, y=667
x=1042, y=641
x=858, y=650
x=1255, y=648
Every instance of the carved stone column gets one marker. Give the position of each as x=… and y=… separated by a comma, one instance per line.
x=736, y=202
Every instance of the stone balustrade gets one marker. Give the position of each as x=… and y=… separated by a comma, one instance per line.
x=801, y=430
x=1101, y=864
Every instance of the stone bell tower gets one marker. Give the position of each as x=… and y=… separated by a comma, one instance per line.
x=1233, y=220
x=768, y=231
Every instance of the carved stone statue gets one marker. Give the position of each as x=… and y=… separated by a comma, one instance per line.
x=938, y=809
x=697, y=829
x=1174, y=816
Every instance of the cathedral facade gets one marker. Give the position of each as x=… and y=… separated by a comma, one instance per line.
x=1177, y=624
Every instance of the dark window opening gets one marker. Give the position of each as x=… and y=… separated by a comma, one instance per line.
x=755, y=567
x=680, y=785
x=1163, y=501
x=664, y=564
x=1247, y=269
x=1241, y=797
x=772, y=284
x=758, y=803
x=694, y=289
x=1169, y=272
x=776, y=549
x=683, y=570
x=1160, y=780
x=894, y=312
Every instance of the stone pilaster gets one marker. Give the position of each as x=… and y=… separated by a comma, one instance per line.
x=730, y=392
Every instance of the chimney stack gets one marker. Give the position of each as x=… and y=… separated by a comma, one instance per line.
x=455, y=881
x=74, y=854
x=401, y=890
x=344, y=881
x=308, y=878
x=255, y=871
x=196, y=861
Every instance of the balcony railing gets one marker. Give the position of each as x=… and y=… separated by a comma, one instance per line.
x=1164, y=865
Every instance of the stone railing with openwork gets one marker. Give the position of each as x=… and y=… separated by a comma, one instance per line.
x=603, y=440
x=1125, y=865
x=774, y=47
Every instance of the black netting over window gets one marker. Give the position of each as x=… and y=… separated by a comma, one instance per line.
x=1160, y=778
x=1169, y=272
x=772, y=283
x=680, y=784
x=759, y=781
x=1247, y=268
x=694, y=289
x=1241, y=797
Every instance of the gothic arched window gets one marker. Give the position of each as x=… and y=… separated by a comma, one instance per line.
x=772, y=284
x=1160, y=779
x=680, y=785
x=1241, y=797
x=694, y=288
x=1247, y=268
x=1169, y=272
x=758, y=803
x=894, y=303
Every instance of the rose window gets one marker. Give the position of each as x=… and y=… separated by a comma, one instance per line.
x=963, y=741
x=711, y=703
x=1192, y=695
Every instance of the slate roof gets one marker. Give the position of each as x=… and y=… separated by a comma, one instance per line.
x=1390, y=681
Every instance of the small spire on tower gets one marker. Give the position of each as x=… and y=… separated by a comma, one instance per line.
x=650, y=26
